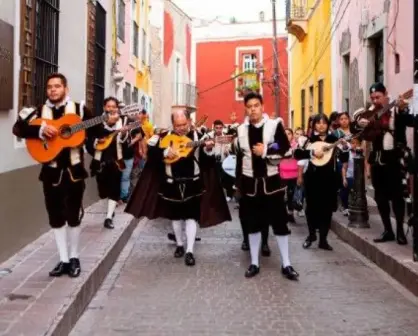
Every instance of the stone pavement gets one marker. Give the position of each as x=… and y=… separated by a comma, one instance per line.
x=148, y=292
x=32, y=303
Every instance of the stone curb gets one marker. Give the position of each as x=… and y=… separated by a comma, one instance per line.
x=68, y=318
x=54, y=305
x=390, y=257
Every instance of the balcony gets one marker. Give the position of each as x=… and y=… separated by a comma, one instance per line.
x=297, y=18
x=184, y=96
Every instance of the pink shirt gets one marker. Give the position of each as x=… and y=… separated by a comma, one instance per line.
x=288, y=168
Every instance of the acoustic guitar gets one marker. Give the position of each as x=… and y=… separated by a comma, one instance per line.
x=327, y=148
x=184, y=146
x=71, y=133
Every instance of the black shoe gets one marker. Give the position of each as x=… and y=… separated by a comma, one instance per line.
x=245, y=246
x=179, y=252
x=290, y=273
x=252, y=271
x=75, y=268
x=386, y=236
x=308, y=241
x=108, y=224
x=60, y=269
x=325, y=246
x=189, y=259
x=400, y=237
x=265, y=250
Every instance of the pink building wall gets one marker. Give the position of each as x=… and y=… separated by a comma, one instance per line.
x=126, y=61
x=396, y=23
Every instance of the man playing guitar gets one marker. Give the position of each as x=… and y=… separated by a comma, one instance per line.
x=62, y=178
x=386, y=160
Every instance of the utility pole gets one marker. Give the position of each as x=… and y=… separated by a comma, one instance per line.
x=276, y=64
x=414, y=219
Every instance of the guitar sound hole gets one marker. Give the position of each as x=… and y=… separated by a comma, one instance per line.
x=65, y=131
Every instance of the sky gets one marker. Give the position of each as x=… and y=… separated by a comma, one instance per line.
x=242, y=10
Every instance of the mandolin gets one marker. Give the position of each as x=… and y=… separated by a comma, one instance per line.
x=327, y=148
x=183, y=146
x=105, y=142
x=71, y=133
x=379, y=118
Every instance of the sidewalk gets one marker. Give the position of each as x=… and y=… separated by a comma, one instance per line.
x=32, y=303
x=394, y=259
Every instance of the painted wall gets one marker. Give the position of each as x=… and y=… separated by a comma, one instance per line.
x=311, y=61
x=217, y=97
x=395, y=19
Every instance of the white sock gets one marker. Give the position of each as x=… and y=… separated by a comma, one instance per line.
x=178, y=231
x=61, y=241
x=255, y=242
x=283, y=242
x=74, y=237
x=191, y=230
x=111, y=207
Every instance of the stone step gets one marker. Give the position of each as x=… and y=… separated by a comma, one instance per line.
x=32, y=303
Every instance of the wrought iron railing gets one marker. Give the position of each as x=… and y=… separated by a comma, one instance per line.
x=296, y=10
x=184, y=94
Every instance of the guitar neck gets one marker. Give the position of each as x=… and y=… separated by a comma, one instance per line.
x=194, y=144
x=88, y=123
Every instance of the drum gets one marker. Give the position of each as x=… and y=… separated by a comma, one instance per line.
x=229, y=165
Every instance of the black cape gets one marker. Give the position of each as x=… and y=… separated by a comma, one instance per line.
x=145, y=201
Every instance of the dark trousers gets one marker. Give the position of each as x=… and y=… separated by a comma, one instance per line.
x=109, y=181
x=226, y=180
x=320, y=218
x=64, y=201
x=290, y=191
x=387, y=184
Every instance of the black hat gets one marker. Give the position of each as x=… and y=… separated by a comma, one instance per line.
x=377, y=87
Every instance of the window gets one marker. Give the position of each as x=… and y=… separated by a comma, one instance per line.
x=135, y=41
x=144, y=46
x=379, y=58
x=46, y=45
x=177, y=82
x=303, y=107
x=249, y=62
x=121, y=20
x=127, y=92
x=321, y=96
x=346, y=82
x=311, y=99
x=135, y=95
x=99, y=59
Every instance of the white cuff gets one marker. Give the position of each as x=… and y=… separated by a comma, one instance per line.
x=264, y=152
x=165, y=153
x=96, y=141
x=312, y=153
x=208, y=152
x=41, y=130
x=341, y=147
x=122, y=140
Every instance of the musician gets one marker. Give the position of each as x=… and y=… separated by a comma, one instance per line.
x=186, y=191
x=62, y=178
x=387, y=161
x=321, y=183
x=107, y=164
x=232, y=127
x=258, y=181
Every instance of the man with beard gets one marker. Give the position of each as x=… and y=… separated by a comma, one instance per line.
x=187, y=191
x=63, y=178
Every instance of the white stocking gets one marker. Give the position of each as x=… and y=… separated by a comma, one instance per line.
x=61, y=241
x=111, y=207
x=283, y=242
x=178, y=231
x=191, y=229
x=74, y=237
x=255, y=241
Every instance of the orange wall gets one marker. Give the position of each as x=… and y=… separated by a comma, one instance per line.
x=215, y=63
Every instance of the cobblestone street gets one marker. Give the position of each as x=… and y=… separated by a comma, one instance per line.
x=150, y=293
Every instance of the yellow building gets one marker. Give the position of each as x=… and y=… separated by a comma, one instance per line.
x=309, y=24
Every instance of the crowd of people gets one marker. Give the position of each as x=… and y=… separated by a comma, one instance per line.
x=188, y=174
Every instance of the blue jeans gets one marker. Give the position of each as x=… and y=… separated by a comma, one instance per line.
x=126, y=179
x=345, y=192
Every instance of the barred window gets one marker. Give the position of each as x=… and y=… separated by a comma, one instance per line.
x=121, y=20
